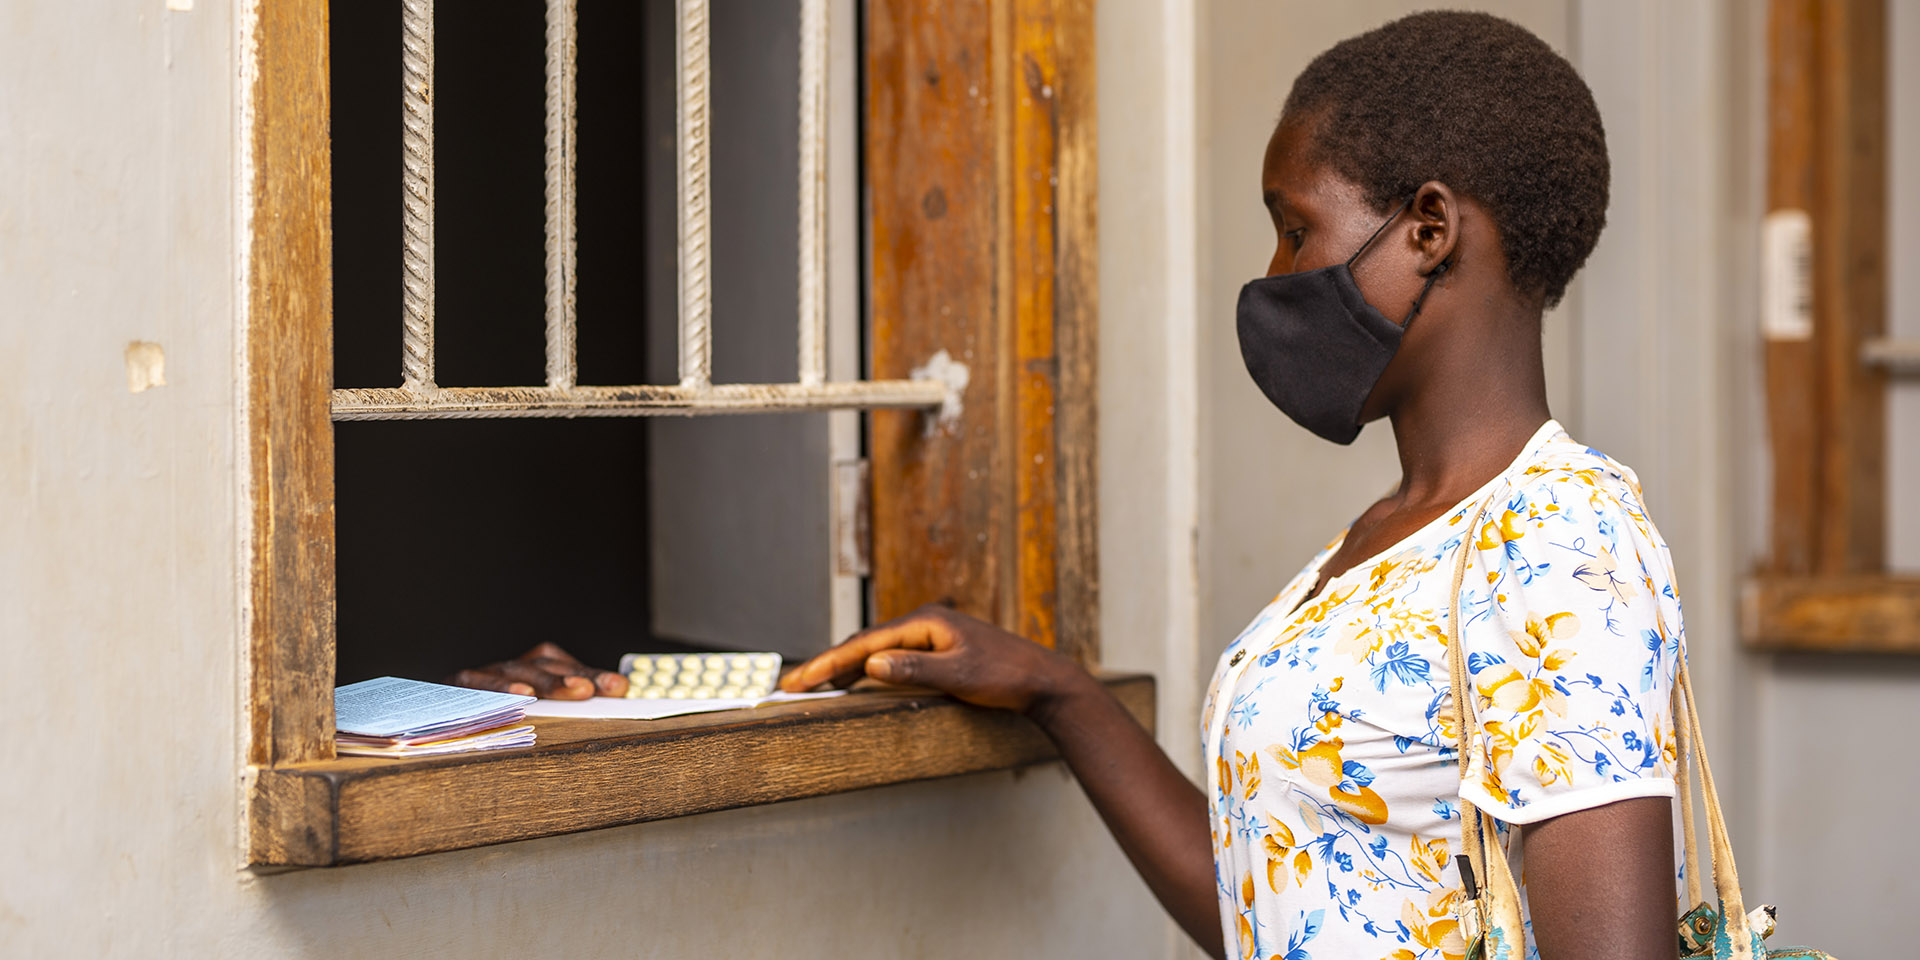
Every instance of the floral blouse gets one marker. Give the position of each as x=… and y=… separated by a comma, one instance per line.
x=1331, y=737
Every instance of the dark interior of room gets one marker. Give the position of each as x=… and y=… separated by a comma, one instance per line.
x=466, y=541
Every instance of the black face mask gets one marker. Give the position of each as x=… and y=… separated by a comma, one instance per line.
x=1315, y=346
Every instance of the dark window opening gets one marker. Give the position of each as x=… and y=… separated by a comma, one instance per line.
x=461, y=542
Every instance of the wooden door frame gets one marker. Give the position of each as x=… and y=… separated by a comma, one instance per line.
x=981, y=173
x=1826, y=585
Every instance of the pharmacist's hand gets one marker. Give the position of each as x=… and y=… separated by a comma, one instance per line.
x=545, y=671
x=949, y=651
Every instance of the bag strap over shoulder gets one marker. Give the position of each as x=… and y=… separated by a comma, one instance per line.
x=1499, y=894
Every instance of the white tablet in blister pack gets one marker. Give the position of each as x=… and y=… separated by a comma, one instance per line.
x=700, y=676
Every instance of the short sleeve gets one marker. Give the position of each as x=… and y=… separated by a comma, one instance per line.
x=1573, y=635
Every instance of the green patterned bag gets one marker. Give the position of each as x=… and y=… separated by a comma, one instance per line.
x=1490, y=915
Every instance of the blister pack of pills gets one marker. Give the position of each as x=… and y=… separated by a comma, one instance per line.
x=700, y=676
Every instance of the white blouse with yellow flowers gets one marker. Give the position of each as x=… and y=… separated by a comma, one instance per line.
x=1330, y=739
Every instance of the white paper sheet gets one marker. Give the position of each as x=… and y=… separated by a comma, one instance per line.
x=622, y=708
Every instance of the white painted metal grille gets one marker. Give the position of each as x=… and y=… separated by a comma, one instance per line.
x=419, y=397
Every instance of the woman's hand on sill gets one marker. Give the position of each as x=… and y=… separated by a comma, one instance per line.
x=544, y=671
x=951, y=652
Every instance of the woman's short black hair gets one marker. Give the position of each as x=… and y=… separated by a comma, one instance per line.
x=1481, y=105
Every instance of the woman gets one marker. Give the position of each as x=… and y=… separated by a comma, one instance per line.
x=1448, y=169
x=1434, y=185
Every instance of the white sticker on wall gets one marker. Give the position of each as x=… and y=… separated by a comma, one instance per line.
x=1786, y=275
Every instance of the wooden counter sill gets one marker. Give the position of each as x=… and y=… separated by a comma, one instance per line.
x=586, y=774
x=1862, y=613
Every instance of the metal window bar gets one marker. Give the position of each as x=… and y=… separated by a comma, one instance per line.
x=419, y=397
x=1899, y=357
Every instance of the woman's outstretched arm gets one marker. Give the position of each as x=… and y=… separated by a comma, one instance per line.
x=1156, y=813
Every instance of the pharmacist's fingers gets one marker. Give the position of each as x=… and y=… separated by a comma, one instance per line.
x=846, y=663
x=548, y=650
x=552, y=686
x=608, y=683
x=605, y=682
x=486, y=680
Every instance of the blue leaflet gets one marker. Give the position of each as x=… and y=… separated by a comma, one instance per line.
x=1296, y=943
x=1309, y=928
x=1325, y=843
x=1659, y=647
x=1313, y=925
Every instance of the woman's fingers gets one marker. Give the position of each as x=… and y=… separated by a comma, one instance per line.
x=950, y=673
x=824, y=668
x=914, y=669
x=847, y=662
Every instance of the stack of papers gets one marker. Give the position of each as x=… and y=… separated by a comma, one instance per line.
x=391, y=717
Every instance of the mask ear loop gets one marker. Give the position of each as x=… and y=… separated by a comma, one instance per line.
x=1380, y=230
x=1432, y=276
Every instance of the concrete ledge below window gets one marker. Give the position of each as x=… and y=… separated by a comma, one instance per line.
x=586, y=774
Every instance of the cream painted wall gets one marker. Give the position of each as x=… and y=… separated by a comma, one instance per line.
x=1148, y=431
x=119, y=811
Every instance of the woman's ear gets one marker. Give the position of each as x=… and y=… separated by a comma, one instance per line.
x=1436, y=225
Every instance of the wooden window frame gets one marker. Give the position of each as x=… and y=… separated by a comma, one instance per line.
x=1826, y=586
x=980, y=152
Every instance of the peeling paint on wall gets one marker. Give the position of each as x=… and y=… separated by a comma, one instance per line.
x=954, y=376
x=146, y=366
